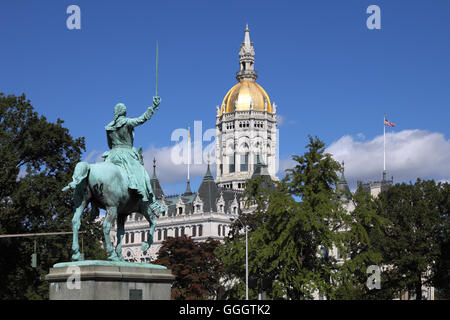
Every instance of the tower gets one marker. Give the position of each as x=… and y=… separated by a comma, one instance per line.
x=246, y=126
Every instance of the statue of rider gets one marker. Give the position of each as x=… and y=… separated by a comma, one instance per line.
x=120, y=135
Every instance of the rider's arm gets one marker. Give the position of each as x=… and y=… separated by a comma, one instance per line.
x=140, y=120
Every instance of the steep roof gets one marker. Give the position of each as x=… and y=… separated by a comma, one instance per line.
x=154, y=182
x=261, y=170
x=208, y=192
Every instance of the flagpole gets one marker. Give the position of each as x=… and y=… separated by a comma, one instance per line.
x=189, y=150
x=156, y=69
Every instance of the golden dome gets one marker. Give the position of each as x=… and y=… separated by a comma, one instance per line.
x=243, y=96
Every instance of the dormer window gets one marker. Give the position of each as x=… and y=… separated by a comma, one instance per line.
x=180, y=207
x=198, y=204
x=221, y=204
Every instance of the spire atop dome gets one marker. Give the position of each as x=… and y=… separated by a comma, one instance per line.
x=247, y=42
x=247, y=59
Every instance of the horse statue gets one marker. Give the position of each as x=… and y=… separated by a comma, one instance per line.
x=120, y=185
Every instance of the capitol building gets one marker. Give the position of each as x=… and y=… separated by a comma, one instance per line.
x=246, y=145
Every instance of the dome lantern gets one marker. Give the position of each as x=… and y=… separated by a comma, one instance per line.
x=247, y=59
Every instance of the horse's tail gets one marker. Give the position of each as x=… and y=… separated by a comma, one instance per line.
x=80, y=173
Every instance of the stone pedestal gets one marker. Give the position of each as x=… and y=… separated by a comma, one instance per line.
x=107, y=280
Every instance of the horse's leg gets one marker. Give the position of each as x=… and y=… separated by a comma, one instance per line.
x=111, y=214
x=120, y=233
x=151, y=218
x=80, y=202
x=76, y=223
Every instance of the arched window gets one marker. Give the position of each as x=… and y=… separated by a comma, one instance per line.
x=219, y=229
x=143, y=236
x=182, y=231
x=231, y=163
x=176, y=232
x=165, y=234
x=132, y=237
x=159, y=234
x=244, y=162
x=200, y=230
x=194, y=231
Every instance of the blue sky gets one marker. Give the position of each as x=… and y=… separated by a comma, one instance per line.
x=328, y=73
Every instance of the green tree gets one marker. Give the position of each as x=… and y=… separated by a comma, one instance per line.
x=359, y=248
x=417, y=234
x=441, y=270
x=195, y=266
x=292, y=228
x=261, y=262
x=37, y=159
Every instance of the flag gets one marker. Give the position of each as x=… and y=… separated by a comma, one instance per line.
x=388, y=123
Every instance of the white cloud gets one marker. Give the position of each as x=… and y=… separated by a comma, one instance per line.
x=285, y=163
x=168, y=170
x=280, y=119
x=361, y=136
x=94, y=156
x=409, y=154
x=168, y=167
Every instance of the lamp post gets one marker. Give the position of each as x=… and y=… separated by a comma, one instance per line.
x=246, y=256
